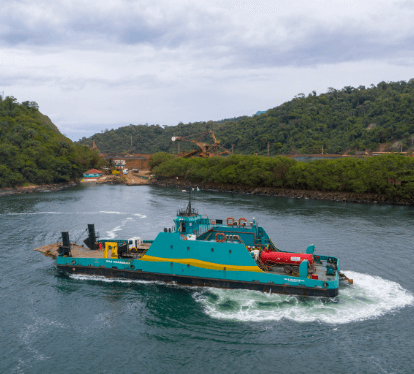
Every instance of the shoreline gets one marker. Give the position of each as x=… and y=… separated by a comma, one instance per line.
x=36, y=188
x=10, y=191
x=342, y=197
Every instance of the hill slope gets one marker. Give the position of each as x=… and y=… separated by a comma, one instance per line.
x=32, y=150
x=357, y=118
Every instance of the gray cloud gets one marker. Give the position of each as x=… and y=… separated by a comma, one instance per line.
x=323, y=47
x=157, y=61
x=254, y=33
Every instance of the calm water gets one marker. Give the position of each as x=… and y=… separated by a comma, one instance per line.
x=52, y=323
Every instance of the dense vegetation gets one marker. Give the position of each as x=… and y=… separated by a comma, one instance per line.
x=350, y=118
x=392, y=174
x=32, y=150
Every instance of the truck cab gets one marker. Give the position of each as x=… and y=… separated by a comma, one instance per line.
x=134, y=242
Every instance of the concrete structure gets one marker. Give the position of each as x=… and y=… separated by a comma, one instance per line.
x=130, y=161
x=119, y=164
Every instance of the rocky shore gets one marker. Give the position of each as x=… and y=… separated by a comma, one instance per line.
x=31, y=189
x=343, y=197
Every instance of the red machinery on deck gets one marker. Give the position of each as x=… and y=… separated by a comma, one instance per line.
x=285, y=258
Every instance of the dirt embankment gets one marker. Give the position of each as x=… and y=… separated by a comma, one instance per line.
x=41, y=188
x=345, y=197
x=131, y=179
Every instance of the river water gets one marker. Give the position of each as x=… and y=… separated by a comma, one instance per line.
x=51, y=323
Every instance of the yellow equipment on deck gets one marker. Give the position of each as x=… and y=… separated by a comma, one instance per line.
x=114, y=250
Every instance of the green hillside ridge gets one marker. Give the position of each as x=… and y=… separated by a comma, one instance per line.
x=375, y=117
x=33, y=151
x=391, y=175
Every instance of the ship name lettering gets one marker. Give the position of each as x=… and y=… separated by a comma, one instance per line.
x=118, y=262
x=294, y=280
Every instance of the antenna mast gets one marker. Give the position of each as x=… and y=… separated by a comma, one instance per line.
x=189, y=202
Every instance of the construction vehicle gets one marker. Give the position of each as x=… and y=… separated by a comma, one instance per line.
x=122, y=248
x=93, y=147
x=204, y=149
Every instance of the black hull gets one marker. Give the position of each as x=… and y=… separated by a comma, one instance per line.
x=198, y=282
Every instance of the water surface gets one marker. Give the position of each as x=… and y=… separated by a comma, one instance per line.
x=53, y=323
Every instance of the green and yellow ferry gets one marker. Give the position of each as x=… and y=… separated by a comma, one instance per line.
x=198, y=251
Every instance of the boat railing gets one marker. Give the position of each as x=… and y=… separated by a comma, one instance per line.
x=187, y=212
x=273, y=245
x=202, y=230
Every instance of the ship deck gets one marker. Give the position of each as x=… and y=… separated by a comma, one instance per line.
x=318, y=268
x=52, y=250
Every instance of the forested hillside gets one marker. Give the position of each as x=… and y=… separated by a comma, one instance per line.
x=32, y=150
x=391, y=175
x=348, y=118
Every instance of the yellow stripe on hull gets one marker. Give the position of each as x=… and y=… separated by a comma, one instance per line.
x=202, y=264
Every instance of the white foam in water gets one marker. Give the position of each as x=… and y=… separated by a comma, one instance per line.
x=112, y=233
x=368, y=297
x=99, y=278
x=140, y=215
x=136, y=214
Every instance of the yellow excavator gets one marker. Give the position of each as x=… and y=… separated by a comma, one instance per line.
x=204, y=149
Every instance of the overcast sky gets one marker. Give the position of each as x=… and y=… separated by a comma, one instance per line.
x=92, y=65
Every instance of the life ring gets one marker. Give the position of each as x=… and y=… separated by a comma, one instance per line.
x=242, y=220
x=212, y=222
x=223, y=237
x=232, y=221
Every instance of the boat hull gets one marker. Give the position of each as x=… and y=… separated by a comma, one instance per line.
x=284, y=289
